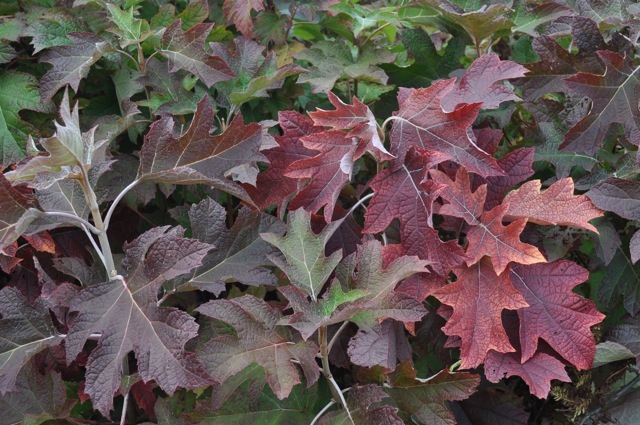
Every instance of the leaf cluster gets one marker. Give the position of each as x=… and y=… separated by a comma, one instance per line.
x=325, y=212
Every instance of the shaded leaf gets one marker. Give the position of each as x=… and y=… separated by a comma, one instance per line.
x=364, y=407
x=620, y=196
x=38, y=399
x=26, y=330
x=621, y=278
x=240, y=254
x=258, y=340
x=16, y=213
x=614, y=99
x=126, y=313
x=71, y=63
x=481, y=84
x=424, y=401
x=185, y=50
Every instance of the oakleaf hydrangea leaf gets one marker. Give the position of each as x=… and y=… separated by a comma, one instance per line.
x=126, y=313
x=304, y=261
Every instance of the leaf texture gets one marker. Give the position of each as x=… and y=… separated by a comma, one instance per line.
x=186, y=51
x=127, y=315
x=478, y=298
x=421, y=122
x=258, y=341
x=71, y=63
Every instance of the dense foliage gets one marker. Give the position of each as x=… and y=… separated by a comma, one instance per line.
x=332, y=212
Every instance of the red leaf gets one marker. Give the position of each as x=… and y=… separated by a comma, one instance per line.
x=272, y=186
x=240, y=12
x=481, y=83
x=42, y=241
x=421, y=122
x=478, y=298
x=462, y=203
x=399, y=194
x=614, y=99
x=358, y=118
x=555, y=313
x=144, y=396
x=556, y=205
x=537, y=372
x=421, y=240
x=186, y=51
x=518, y=167
x=501, y=243
x=198, y=157
x=328, y=171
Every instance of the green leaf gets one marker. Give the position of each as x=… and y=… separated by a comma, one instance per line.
x=195, y=12
x=331, y=60
x=7, y=53
x=255, y=74
x=528, y=19
x=69, y=146
x=621, y=278
x=424, y=401
x=609, y=352
x=130, y=30
x=18, y=91
x=53, y=31
x=304, y=263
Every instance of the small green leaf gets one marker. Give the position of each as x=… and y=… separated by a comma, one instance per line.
x=304, y=263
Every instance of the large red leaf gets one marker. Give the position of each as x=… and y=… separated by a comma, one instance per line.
x=481, y=83
x=478, y=298
x=272, y=186
x=421, y=122
x=462, y=202
x=501, y=243
x=614, y=99
x=399, y=194
x=329, y=170
x=556, y=205
x=555, y=313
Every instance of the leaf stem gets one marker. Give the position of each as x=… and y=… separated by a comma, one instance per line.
x=73, y=217
x=334, y=338
x=360, y=202
x=123, y=417
x=114, y=204
x=377, y=30
x=326, y=370
x=92, y=201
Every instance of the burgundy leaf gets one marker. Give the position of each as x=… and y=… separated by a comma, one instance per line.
x=481, y=84
x=421, y=122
